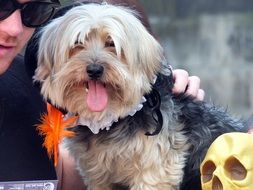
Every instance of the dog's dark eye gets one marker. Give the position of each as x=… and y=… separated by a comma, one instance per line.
x=76, y=49
x=78, y=45
x=109, y=42
x=78, y=42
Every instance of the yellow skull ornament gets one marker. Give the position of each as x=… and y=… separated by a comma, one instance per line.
x=228, y=164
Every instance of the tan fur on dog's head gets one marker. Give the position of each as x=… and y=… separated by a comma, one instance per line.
x=107, y=40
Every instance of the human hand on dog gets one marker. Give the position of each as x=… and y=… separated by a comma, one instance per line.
x=188, y=84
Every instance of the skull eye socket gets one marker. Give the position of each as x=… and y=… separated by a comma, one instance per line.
x=234, y=169
x=207, y=171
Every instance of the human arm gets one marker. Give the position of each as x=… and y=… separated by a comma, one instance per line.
x=67, y=173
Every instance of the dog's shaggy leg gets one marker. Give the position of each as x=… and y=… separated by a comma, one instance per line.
x=145, y=186
x=150, y=182
x=99, y=187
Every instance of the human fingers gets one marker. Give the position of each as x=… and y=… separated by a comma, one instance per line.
x=180, y=77
x=200, y=95
x=193, y=86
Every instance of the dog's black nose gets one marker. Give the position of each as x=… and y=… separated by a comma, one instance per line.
x=95, y=71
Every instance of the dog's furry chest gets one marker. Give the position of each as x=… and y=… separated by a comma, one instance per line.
x=121, y=158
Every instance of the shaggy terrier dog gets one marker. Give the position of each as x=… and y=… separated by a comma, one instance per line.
x=98, y=62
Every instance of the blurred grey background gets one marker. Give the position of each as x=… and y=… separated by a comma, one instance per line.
x=212, y=39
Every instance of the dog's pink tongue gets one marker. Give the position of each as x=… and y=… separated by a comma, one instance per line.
x=97, y=96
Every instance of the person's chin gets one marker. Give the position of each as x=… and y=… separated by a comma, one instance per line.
x=7, y=55
x=4, y=65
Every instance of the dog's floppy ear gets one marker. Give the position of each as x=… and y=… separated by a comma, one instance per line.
x=140, y=47
x=149, y=52
x=31, y=52
x=45, y=55
x=36, y=72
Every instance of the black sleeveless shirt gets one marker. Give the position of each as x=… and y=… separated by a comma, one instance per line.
x=22, y=156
